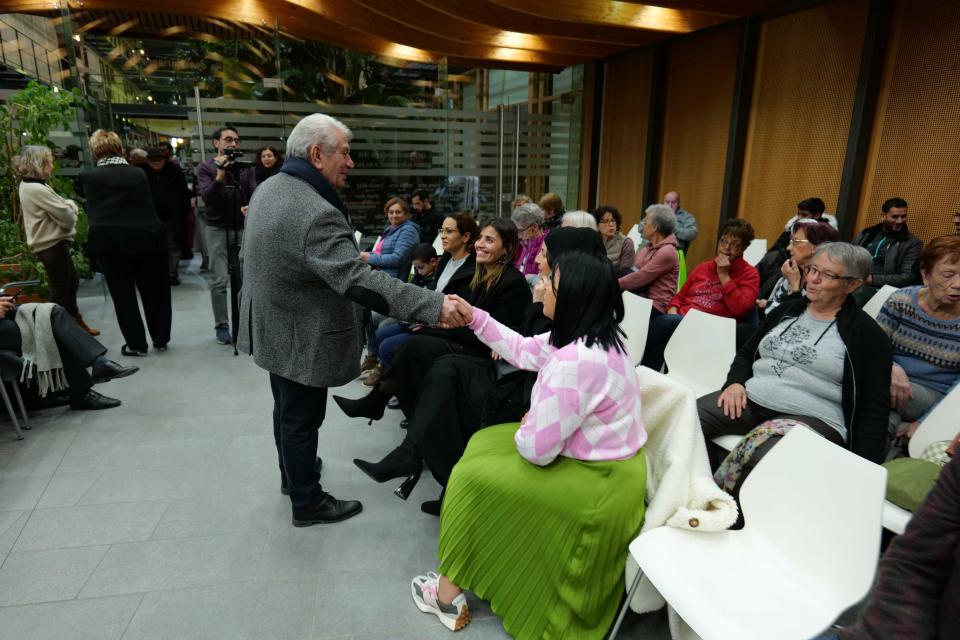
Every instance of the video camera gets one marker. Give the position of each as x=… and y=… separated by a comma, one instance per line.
x=233, y=159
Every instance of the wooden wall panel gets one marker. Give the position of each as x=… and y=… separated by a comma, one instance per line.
x=914, y=150
x=806, y=77
x=701, y=76
x=626, y=108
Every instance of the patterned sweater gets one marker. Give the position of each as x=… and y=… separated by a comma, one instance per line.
x=585, y=403
x=927, y=348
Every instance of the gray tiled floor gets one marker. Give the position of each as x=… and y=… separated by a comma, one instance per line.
x=162, y=519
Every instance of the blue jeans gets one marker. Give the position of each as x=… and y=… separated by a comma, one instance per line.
x=662, y=327
x=387, y=339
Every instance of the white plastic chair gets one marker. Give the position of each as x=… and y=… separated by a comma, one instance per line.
x=636, y=323
x=807, y=552
x=437, y=245
x=701, y=350
x=755, y=252
x=940, y=424
x=874, y=304
x=635, y=235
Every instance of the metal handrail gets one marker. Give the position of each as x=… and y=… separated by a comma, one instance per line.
x=33, y=47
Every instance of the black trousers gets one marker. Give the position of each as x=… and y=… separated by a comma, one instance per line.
x=714, y=423
x=411, y=364
x=298, y=412
x=128, y=273
x=61, y=275
x=77, y=348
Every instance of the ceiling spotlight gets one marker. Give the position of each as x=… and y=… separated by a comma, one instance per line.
x=150, y=98
x=141, y=52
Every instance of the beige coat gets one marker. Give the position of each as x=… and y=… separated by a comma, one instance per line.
x=47, y=217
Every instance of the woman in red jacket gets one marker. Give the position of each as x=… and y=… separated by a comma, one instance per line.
x=725, y=286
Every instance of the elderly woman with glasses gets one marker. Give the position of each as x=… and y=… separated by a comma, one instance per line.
x=724, y=286
x=817, y=360
x=620, y=249
x=807, y=235
x=530, y=227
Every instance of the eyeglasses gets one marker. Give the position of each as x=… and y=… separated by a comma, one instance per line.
x=523, y=229
x=230, y=139
x=798, y=241
x=814, y=272
x=448, y=232
x=730, y=244
x=608, y=221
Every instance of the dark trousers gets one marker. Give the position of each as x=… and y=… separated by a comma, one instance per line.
x=298, y=412
x=128, y=273
x=411, y=364
x=61, y=275
x=662, y=327
x=714, y=423
x=77, y=348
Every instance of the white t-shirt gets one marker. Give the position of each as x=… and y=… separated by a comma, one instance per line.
x=444, y=278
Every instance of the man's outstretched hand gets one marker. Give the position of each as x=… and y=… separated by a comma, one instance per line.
x=455, y=312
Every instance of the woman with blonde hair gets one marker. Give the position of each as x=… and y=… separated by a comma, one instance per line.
x=51, y=225
x=125, y=238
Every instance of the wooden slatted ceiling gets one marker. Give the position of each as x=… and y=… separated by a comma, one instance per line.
x=522, y=34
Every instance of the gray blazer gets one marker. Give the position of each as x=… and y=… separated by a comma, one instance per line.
x=302, y=282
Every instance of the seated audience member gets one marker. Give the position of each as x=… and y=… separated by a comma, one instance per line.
x=686, y=227
x=529, y=220
x=579, y=219
x=537, y=518
x=77, y=349
x=918, y=582
x=895, y=251
x=553, y=210
x=923, y=324
x=807, y=235
x=657, y=265
x=773, y=259
x=620, y=249
x=391, y=253
x=519, y=200
x=462, y=393
x=497, y=287
x=453, y=274
x=424, y=261
x=725, y=286
x=426, y=216
x=818, y=360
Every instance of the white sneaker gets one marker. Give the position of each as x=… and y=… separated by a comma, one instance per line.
x=454, y=616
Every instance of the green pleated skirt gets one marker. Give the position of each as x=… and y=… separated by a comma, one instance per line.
x=546, y=546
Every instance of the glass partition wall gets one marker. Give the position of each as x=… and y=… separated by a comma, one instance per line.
x=473, y=138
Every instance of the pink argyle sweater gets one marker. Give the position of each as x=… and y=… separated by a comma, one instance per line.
x=585, y=403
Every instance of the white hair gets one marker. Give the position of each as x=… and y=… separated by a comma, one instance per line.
x=315, y=129
x=662, y=218
x=32, y=160
x=579, y=219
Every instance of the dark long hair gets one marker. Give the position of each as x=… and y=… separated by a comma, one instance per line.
x=486, y=277
x=589, y=302
x=261, y=171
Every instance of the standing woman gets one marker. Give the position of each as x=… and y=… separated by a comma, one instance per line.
x=125, y=238
x=268, y=162
x=51, y=224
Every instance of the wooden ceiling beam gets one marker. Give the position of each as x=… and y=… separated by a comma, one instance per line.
x=619, y=13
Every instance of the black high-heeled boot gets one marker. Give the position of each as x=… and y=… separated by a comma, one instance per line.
x=402, y=461
x=370, y=406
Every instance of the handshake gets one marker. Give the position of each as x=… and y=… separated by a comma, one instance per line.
x=455, y=312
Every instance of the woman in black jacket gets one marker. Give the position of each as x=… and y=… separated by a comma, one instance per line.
x=819, y=360
x=125, y=239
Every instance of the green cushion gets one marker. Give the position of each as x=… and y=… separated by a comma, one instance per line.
x=909, y=480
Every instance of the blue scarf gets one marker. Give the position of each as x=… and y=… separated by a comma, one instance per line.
x=300, y=168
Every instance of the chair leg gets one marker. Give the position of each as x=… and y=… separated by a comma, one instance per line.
x=23, y=409
x=10, y=412
x=626, y=605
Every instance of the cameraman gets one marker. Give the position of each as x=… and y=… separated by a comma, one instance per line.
x=224, y=223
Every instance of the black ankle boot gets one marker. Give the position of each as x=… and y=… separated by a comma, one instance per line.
x=370, y=406
x=396, y=464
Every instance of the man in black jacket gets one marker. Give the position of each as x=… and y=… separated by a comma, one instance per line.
x=895, y=251
x=171, y=197
x=426, y=216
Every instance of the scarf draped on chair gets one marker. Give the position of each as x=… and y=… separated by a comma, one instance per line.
x=41, y=357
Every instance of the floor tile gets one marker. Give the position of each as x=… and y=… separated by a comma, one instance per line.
x=252, y=610
x=89, y=525
x=66, y=489
x=11, y=524
x=223, y=513
x=156, y=565
x=19, y=493
x=44, y=576
x=92, y=619
x=193, y=452
x=154, y=484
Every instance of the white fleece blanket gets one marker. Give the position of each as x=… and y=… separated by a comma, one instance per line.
x=41, y=358
x=680, y=488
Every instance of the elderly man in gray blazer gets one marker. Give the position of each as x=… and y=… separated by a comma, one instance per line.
x=300, y=312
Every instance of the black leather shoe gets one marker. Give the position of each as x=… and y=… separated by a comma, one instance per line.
x=398, y=463
x=370, y=406
x=110, y=370
x=92, y=401
x=431, y=507
x=127, y=351
x=328, y=510
x=283, y=480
